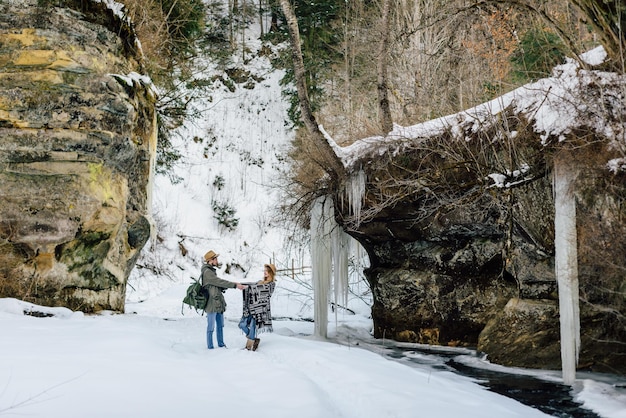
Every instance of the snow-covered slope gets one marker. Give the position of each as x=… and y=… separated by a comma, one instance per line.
x=234, y=159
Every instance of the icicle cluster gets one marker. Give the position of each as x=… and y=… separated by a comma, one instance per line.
x=355, y=191
x=330, y=247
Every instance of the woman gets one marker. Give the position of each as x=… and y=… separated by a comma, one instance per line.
x=257, y=314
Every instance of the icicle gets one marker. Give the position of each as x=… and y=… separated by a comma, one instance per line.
x=340, y=246
x=355, y=190
x=321, y=262
x=566, y=266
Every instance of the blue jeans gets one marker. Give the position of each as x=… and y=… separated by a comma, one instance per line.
x=215, y=319
x=248, y=326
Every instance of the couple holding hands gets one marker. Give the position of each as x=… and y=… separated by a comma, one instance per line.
x=257, y=315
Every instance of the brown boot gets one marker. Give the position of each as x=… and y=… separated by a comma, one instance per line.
x=256, y=344
x=249, y=344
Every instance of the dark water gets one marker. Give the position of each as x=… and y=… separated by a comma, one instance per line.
x=550, y=397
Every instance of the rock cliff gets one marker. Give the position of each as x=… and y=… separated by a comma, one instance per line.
x=77, y=141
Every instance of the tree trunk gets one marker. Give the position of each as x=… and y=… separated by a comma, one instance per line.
x=386, y=122
x=274, y=16
x=243, y=32
x=332, y=164
x=261, y=17
x=347, y=51
x=232, y=5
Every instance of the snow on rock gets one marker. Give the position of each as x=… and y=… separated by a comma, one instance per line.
x=595, y=56
x=118, y=10
x=18, y=307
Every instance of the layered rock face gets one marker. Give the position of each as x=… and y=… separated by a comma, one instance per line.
x=77, y=140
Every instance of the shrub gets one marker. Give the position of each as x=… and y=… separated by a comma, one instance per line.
x=225, y=215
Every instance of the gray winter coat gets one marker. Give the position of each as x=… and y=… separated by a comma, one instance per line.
x=216, y=287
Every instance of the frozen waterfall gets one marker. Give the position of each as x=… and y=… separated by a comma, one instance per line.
x=321, y=262
x=330, y=249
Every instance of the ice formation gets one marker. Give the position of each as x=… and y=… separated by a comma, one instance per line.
x=566, y=267
x=330, y=247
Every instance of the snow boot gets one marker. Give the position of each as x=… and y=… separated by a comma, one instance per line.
x=249, y=344
x=255, y=343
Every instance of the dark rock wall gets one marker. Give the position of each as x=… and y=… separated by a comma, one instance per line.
x=480, y=272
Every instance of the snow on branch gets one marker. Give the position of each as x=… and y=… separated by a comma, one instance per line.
x=511, y=178
x=616, y=165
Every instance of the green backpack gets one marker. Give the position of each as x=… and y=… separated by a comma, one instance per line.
x=196, y=297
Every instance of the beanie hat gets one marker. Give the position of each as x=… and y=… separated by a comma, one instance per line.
x=210, y=255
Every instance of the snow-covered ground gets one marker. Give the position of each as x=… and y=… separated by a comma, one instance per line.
x=152, y=361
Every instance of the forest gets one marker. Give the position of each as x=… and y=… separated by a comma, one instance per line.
x=369, y=64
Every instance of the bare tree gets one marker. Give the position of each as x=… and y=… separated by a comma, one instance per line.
x=332, y=165
x=232, y=9
x=261, y=17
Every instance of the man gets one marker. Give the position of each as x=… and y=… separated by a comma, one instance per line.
x=216, y=304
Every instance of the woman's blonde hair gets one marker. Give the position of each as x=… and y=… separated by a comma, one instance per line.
x=271, y=269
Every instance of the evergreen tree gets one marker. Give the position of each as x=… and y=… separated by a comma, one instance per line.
x=538, y=52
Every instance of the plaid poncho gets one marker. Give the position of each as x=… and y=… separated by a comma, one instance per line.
x=256, y=303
